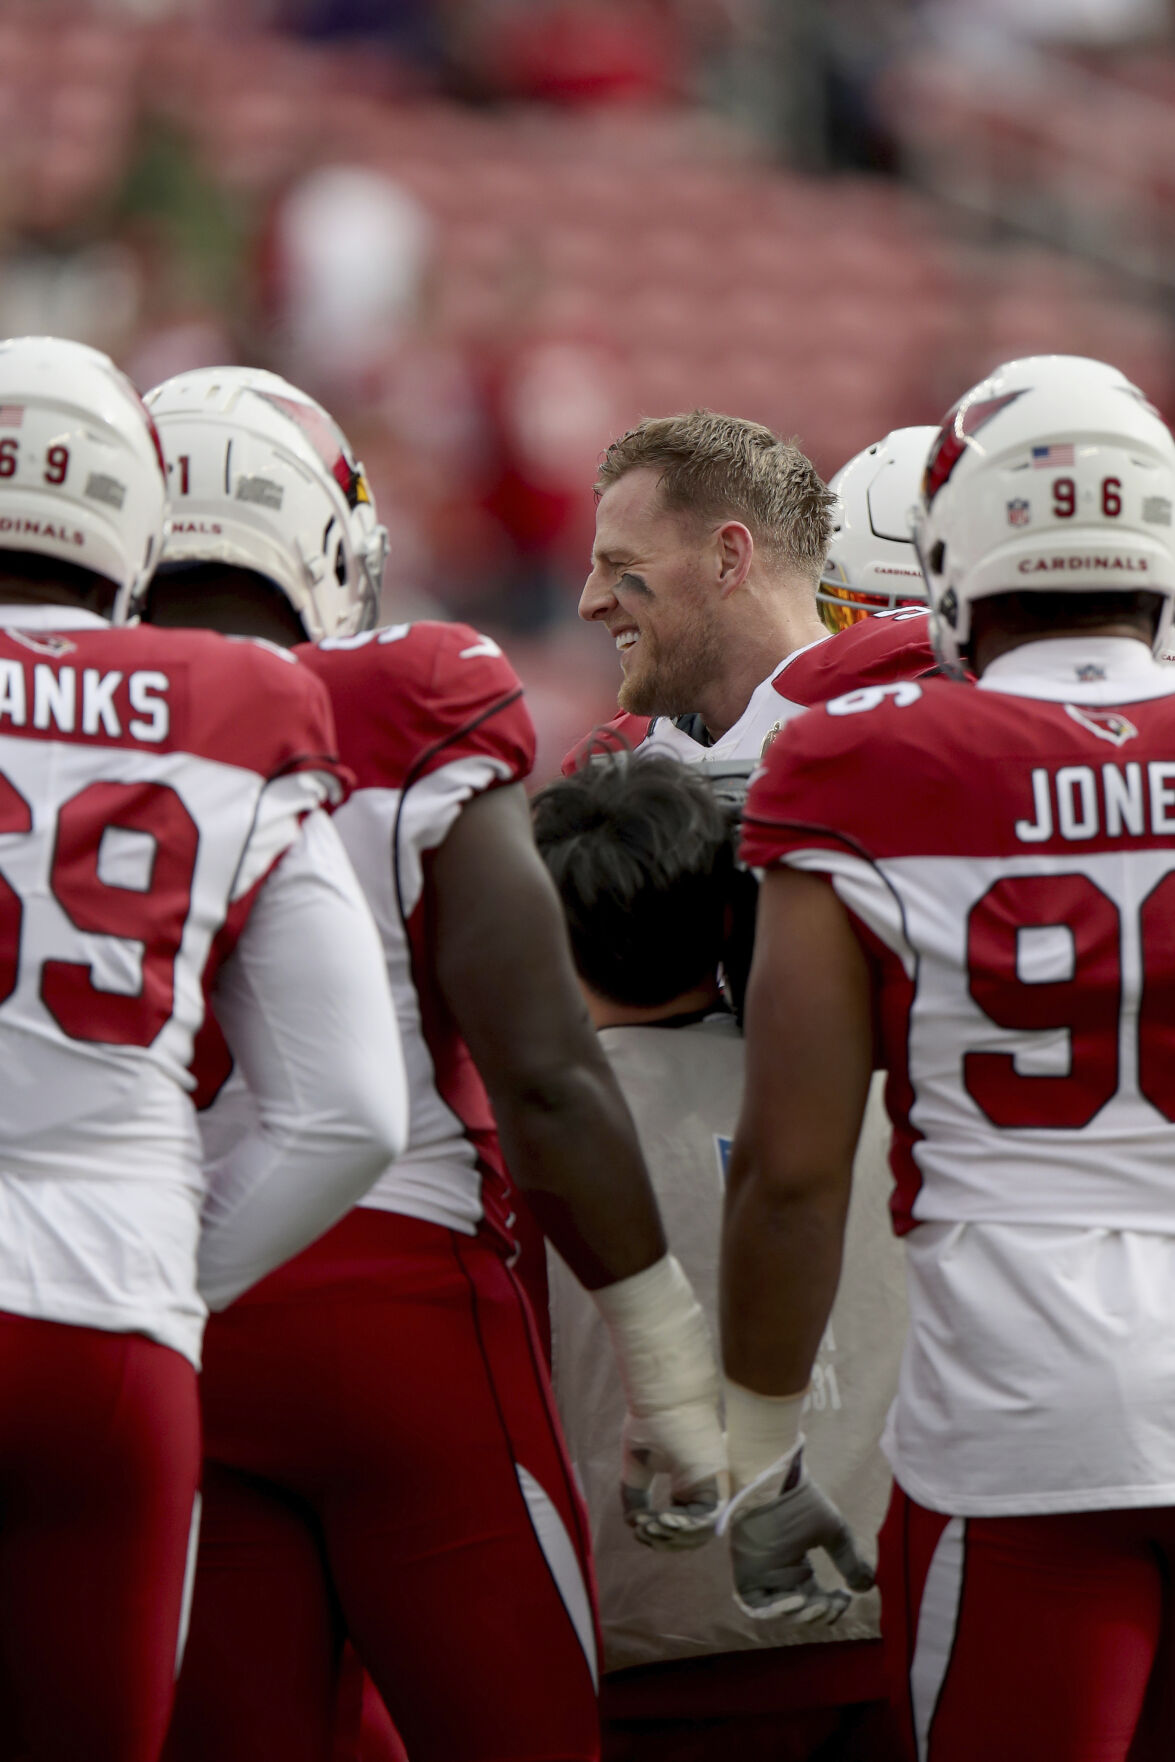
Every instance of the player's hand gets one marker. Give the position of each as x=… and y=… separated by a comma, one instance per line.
x=672, y=1429
x=685, y=1444
x=769, y=1546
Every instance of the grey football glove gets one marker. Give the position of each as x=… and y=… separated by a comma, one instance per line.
x=676, y=1443
x=769, y=1546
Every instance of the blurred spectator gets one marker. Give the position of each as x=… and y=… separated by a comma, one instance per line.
x=1079, y=23
x=859, y=39
x=411, y=26
x=579, y=51
x=350, y=253
x=552, y=400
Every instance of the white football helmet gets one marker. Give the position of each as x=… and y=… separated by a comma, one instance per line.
x=871, y=565
x=1053, y=474
x=81, y=471
x=260, y=477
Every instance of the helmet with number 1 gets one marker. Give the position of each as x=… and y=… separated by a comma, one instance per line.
x=1052, y=475
x=81, y=473
x=871, y=565
x=260, y=477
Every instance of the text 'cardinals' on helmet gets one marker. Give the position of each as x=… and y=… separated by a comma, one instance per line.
x=260, y=477
x=81, y=472
x=1054, y=474
x=871, y=564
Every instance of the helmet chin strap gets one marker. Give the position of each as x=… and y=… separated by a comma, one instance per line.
x=364, y=615
x=371, y=563
x=950, y=651
x=129, y=600
x=916, y=541
x=313, y=574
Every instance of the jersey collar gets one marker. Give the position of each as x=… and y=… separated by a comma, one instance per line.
x=1080, y=669
x=763, y=700
x=745, y=736
x=795, y=655
x=40, y=617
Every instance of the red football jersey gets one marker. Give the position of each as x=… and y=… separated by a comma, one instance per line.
x=876, y=651
x=1007, y=856
x=428, y=716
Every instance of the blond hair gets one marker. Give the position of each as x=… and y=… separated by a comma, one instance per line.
x=716, y=467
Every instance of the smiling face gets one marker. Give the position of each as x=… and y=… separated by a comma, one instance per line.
x=649, y=587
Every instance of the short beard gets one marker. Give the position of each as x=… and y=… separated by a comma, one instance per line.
x=672, y=682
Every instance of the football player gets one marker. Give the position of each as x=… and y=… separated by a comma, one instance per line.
x=998, y=934
x=737, y=542
x=378, y=1425
x=712, y=535
x=871, y=565
x=161, y=835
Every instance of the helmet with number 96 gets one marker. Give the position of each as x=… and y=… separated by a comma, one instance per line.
x=1054, y=474
x=871, y=565
x=81, y=471
x=260, y=477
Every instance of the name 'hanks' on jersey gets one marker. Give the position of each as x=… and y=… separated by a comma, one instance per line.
x=107, y=704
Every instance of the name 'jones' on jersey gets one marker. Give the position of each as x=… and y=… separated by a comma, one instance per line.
x=1079, y=802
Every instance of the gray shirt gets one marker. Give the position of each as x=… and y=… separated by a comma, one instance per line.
x=684, y=1086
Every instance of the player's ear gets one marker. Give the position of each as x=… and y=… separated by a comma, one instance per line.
x=736, y=547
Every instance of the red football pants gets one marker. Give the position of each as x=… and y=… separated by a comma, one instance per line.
x=363, y=1729
x=99, y=1460
x=382, y=1459
x=1030, y=1639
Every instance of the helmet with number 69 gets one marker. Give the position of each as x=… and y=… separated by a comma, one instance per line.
x=260, y=477
x=81, y=472
x=871, y=565
x=1052, y=475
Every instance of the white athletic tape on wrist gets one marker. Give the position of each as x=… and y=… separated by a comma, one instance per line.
x=660, y=1339
x=763, y=1490
x=762, y=1437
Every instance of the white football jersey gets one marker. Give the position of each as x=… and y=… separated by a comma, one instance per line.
x=1008, y=858
x=150, y=782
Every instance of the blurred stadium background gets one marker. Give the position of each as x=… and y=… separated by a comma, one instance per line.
x=490, y=234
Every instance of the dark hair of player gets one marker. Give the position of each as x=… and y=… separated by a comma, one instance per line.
x=225, y=597
x=1041, y=613
x=642, y=854
x=29, y=576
